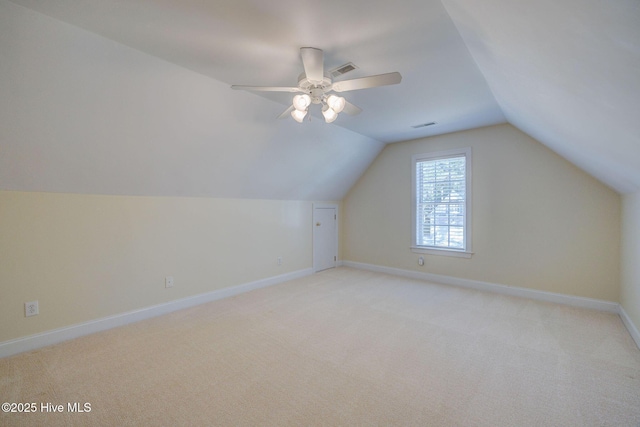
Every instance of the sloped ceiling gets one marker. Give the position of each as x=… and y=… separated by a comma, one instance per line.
x=565, y=72
x=133, y=97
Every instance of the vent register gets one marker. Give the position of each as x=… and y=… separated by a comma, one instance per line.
x=343, y=69
x=350, y=66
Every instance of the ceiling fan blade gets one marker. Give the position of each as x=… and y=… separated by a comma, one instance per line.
x=367, y=82
x=266, y=88
x=286, y=113
x=351, y=109
x=313, y=63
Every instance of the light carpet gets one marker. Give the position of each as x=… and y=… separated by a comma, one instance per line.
x=342, y=347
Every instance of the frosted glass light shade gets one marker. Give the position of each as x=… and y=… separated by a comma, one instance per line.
x=298, y=115
x=336, y=103
x=301, y=102
x=329, y=114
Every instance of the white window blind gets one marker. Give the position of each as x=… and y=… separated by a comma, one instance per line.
x=440, y=209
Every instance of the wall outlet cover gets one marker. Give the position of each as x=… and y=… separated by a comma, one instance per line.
x=31, y=308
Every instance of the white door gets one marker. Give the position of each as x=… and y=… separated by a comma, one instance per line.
x=325, y=238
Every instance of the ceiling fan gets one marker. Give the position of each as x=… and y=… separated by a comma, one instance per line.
x=314, y=87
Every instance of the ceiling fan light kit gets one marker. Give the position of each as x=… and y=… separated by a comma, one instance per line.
x=336, y=103
x=301, y=102
x=298, y=115
x=329, y=114
x=314, y=87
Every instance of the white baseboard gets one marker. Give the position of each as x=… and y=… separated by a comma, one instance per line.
x=633, y=331
x=595, y=304
x=32, y=342
x=611, y=307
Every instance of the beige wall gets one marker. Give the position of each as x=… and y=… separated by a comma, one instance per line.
x=630, y=289
x=538, y=221
x=85, y=257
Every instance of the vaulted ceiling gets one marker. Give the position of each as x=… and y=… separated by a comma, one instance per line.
x=133, y=97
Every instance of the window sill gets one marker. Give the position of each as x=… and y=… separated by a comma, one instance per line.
x=443, y=252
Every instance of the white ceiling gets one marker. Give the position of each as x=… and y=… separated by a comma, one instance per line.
x=567, y=73
x=254, y=42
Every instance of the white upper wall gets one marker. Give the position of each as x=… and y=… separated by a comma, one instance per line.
x=84, y=114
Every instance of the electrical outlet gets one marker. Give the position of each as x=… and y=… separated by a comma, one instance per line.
x=31, y=308
x=168, y=282
x=279, y=260
x=421, y=260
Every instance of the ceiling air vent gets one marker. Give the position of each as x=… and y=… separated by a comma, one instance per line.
x=423, y=125
x=343, y=69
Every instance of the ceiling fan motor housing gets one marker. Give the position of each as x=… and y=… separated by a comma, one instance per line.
x=315, y=90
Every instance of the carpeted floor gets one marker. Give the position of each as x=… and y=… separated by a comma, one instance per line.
x=342, y=347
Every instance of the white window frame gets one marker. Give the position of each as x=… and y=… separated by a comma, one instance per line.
x=466, y=252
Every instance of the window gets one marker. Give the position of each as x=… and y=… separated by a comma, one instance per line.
x=442, y=203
